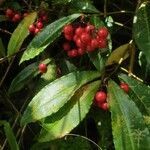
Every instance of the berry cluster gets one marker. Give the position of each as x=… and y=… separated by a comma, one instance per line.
x=82, y=39
x=38, y=25
x=12, y=15
x=101, y=96
x=100, y=100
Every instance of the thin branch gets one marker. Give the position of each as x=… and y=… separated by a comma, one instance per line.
x=5, y=31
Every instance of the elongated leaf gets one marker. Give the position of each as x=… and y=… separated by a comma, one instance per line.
x=23, y=78
x=3, y=18
x=117, y=54
x=10, y=136
x=53, y=96
x=141, y=93
x=72, y=114
x=20, y=33
x=46, y=37
x=129, y=129
x=141, y=29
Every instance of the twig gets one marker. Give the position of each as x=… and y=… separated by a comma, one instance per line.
x=105, y=8
x=5, y=31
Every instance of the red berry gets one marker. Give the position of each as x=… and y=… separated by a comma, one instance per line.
x=79, y=43
x=104, y=106
x=79, y=31
x=44, y=18
x=16, y=17
x=69, y=37
x=85, y=38
x=42, y=68
x=100, y=97
x=68, y=29
x=73, y=53
x=32, y=28
x=9, y=13
x=125, y=87
x=36, y=31
x=94, y=43
x=81, y=51
x=39, y=25
x=89, y=28
x=66, y=46
x=102, y=43
x=103, y=33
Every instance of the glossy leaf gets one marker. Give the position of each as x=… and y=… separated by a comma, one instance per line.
x=20, y=33
x=141, y=29
x=10, y=135
x=139, y=92
x=46, y=37
x=117, y=54
x=23, y=78
x=53, y=96
x=129, y=129
x=70, y=115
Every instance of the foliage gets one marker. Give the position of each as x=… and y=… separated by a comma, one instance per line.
x=85, y=47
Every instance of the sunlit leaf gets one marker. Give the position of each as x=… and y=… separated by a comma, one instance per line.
x=53, y=96
x=20, y=33
x=70, y=115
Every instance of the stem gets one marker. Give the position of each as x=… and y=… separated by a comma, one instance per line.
x=5, y=31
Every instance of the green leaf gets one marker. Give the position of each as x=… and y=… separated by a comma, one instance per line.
x=2, y=49
x=129, y=129
x=141, y=29
x=10, y=136
x=53, y=96
x=70, y=115
x=141, y=97
x=20, y=33
x=3, y=18
x=46, y=37
x=117, y=54
x=23, y=78
x=83, y=6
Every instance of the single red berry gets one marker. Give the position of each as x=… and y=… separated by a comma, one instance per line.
x=16, y=17
x=85, y=37
x=125, y=87
x=89, y=48
x=36, y=31
x=9, y=13
x=39, y=25
x=68, y=29
x=94, y=43
x=69, y=37
x=81, y=51
x=32, y=28
x=89, y=28
x=102, y=43
x=103, y=32
x=66, y=46
x=42, y=68
x=100, y=97
x=44, y=18
x=79, y=31
x=104, y=106
x=72, y=53
x=79, y=43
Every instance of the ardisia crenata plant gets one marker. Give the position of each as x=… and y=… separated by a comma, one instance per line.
x=75, y=75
